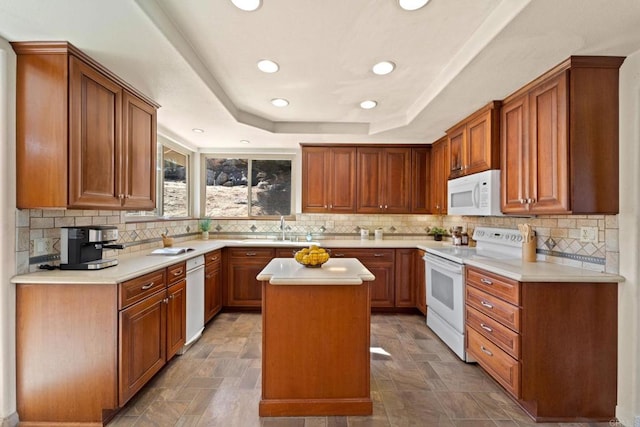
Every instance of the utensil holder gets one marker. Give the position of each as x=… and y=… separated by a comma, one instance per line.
x=529, y=251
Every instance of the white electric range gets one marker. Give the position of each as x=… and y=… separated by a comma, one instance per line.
x=445, y=278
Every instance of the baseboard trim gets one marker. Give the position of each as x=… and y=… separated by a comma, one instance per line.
x=11, y=421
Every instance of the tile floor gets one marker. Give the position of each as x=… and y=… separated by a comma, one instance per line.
x=421, y=383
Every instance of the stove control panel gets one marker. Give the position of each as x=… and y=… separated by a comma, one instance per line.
x=499, y=236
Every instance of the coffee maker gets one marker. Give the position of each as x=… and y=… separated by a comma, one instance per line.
x=82, y=247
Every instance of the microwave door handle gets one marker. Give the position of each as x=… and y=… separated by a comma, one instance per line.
x=476, y=195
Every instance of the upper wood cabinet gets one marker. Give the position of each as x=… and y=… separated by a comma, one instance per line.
x=559, y=141
x=384, y=180
x=474, y=143
x=90, y=136
x=439, y=176
x=421, y=180
x=328, y=179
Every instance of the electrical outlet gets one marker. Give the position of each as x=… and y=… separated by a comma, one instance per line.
x=589, y=234
x=42, y=246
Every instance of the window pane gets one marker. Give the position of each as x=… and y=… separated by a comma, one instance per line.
x=226, y=188
x=271, y=187
x=175, y=191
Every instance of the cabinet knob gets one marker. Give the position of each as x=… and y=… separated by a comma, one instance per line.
x=380, y=206
x=330, y=206
x=325, y=206
x=386, y=206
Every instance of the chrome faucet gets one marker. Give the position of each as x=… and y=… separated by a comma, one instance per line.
x=282, y=227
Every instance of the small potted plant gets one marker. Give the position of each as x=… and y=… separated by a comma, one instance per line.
x=437, y=233
x=205, y=226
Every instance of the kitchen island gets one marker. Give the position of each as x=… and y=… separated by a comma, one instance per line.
x=315, y=339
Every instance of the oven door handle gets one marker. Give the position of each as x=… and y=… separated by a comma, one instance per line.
x=444, y=265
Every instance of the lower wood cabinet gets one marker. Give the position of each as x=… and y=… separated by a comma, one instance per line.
x=419, y=280
x=84, y=350
x=552, y=346
x=212, y=284
x=404, y=289
x=241, y=266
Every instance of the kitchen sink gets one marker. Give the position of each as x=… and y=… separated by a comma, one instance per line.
x=276, y=242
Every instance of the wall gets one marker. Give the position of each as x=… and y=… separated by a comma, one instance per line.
x=7, y=235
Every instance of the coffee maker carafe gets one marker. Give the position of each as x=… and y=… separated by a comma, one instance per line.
x=82, y=247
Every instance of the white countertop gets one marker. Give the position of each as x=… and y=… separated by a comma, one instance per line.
x=336, y=271
x=139, y=263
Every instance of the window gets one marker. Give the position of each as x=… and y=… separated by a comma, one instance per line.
x=246, y=187
x=172, y=185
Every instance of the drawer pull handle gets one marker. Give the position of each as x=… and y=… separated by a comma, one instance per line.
x=378, y=255
x=485, y=327
x=484, y=350
x=486, y=281
x=339, y=255
x=251, y=254
x=215, y=258
x=486, y=304
x=177, y=273
x=148, y=286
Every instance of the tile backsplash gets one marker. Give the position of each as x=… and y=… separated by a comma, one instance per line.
x=557, y=237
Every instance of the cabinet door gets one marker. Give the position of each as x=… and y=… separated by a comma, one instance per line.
x=405, y=290
x=457, y=140
x=342, y=180
x=371, y=180
x=315, y=179
x=548, y=147
x=380, y=262
x=176, y=317
x=143, y=344
x=420, y=180
x=139, y=154
x=95, y=120
x=515, y=156
x=212, y=290
x=243, y=265
x=439, y=174
x=397, y=180
x=478, y=153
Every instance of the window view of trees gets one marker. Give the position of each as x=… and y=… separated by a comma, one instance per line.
x=175, y=193
x=247, y=187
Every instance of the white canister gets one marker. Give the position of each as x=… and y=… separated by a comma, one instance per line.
x=364, y=234
x=378, y=234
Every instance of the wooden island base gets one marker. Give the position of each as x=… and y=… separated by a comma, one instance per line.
x=315, y=350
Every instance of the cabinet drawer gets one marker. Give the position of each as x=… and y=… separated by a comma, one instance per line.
x=250, y=253
x=502, y=287
x=213, y=257
x=502, y=367
x=137, y=289
x=366, y=255
x=500, y=335
x=503, y=312
x=177, y=272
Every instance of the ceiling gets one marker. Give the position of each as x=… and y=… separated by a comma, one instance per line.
x=197, y=58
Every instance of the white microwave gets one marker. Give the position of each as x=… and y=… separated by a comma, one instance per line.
x=477, y=194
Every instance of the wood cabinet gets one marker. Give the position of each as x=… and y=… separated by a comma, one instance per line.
x=474, y=143
x=559, y=141
x=439, y=176
x=328, y=179
x=550, y=345
x=381, y=263
x=212, y=284
x=90, y=136
x=419, y=280
x=176, y=308
x=241, y=266
x=405, y=288
x=384, y=180
x=421, y=180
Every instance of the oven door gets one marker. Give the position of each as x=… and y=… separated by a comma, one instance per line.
x=445, y=290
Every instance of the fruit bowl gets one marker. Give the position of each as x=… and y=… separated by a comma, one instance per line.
x=312, y=257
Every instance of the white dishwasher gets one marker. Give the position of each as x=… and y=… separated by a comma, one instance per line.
x=195, y=300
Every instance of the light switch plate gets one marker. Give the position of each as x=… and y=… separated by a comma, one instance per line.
x=589, y=234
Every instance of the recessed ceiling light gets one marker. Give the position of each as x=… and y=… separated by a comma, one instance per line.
x=279, y=102
x=247, y=5
x=244, y=141
x=412, y=4
x=383, y=67
x=198, y=130
x=267, y=66
x=368, y=104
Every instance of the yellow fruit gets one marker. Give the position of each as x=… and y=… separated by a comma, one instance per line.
x=313, y=247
